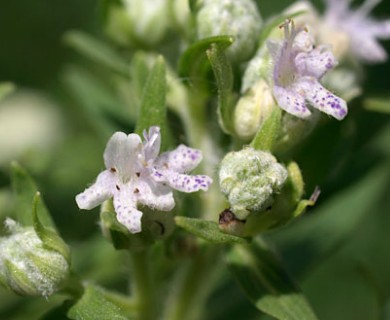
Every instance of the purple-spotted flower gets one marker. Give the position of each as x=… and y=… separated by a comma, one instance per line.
x=298, y=67
x=135, y=174
x=362, y=31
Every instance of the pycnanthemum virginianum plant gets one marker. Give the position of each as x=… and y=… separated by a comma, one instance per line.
x=231, y=99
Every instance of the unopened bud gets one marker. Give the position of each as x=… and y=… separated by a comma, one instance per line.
x=250, y=179
x=239, y=19
x=253, y=109
x=27, y=266
x=149, y=19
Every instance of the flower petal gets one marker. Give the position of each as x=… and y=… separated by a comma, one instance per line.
x=152, y=143
x=367, y=48
x=182, y=182
x=182, y=159
x=291, y=101
x=126, y=211
x=322, y=99
x=316, y=62
x=122, y=153
x=155, y=196
x=99, y=192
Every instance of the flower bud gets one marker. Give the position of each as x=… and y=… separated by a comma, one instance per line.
x=253, y=109
x=239, y=19
x=137, y=22
x=250, y=179
x=149, y=19
x=27, y=265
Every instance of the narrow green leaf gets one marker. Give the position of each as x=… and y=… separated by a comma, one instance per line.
x=95, y=99
x=266, y=136
x=193, y=65
x=224, y=77
x=153, y=106
x=24, y=189
x=377, y=105
x=316, y=237
x=207, y=230
x=51, y=240
x=93, y=305
x=97, y=51
x=267, y=284
x=5, y=89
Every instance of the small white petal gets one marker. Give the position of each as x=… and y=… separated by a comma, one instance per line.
x=126, y=211
x=155, y=196
x=303, y=41
x=315, y=63
x=292, y=102
x=182, y=182
x=122, y=153
x=152, y=143
x=368, y=49
x=322, y=99
x=99, y=192
x=182, y=159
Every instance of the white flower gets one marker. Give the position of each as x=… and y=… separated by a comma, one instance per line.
x=363, y=32
x=298, y=67
x=135, y=174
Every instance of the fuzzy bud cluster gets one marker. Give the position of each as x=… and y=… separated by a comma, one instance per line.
x=27, y=266
x=250, y=179
x=239, y=19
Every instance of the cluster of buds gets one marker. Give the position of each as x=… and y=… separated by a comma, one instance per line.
x=28, y=266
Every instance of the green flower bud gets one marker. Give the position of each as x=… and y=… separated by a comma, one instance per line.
x=134, y=22
x=253, y=109
x=250, y=179
x=149, y=19
x=239, y=19
x=27, y=265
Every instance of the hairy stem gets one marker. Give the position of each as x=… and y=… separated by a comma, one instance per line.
x=142, y=285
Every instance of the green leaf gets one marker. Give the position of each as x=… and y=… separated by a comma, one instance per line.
x=193, y=65
x=97, y=51
x=93, y=305
x=5, y=89
x=381, y=105
x=319, y=234
x=153, y=106
x=193, y=5
x=267, y=284
x=207, y=230
x=50, y=239
x=24, y=189
x=268, y=133
x=274, y=23
x=224, y=77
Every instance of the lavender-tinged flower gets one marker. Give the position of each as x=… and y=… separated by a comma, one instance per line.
x=135, y=174
x=298, y=67
x=362, y=31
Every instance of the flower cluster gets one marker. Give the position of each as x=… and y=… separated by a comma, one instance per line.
x=135, y=174
x=298, y=67
x=362, y=31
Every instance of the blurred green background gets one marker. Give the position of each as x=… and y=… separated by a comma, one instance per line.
x=339, y=252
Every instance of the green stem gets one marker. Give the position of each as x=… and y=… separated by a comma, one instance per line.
x=192, y=286
x=142, y=287
x=194, y=119
x=73, y=286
